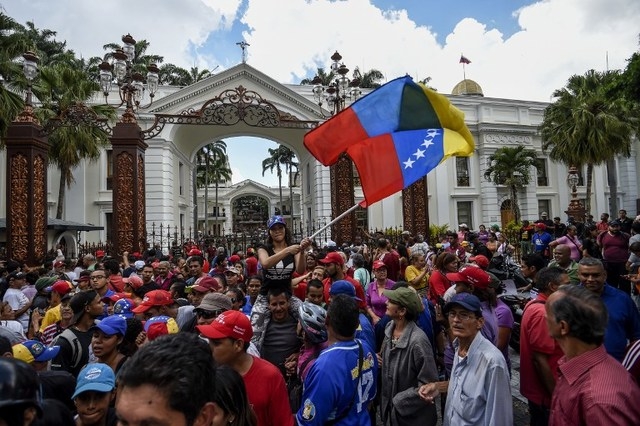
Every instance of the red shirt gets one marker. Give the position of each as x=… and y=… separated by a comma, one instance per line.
x=267, y=394
x=362, y=304
x=534, y=337
x=438, y=285
x=594, y=389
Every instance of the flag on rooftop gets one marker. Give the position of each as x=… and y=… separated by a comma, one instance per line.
x=464, y=60
x=395, y=135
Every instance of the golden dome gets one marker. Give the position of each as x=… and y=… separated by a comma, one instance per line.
x=467, y=87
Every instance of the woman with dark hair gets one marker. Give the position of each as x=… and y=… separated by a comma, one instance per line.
x=407, y=362
x=279, y=258
x=231, y=397
x=237, y=298
x=360, y=273
x=108, y=336
x=590, y=247
x=438, y=282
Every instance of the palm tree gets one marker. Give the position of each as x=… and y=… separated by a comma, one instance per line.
x=277, y=157
x=61, y=88
x=511, y=167
x=174, y=75
x=211, y=162
x=12, y=45
x=370, y=79
x=140, y=60
x=325, y=78
x=587, y=124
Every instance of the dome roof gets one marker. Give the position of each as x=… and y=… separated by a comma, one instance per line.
x=467, y=87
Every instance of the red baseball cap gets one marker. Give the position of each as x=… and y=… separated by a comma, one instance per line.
x=232, y=324
x=61, y=287
x=471, y=275
x=332, y=257
x=100, y=253
x=481, y=260
x=134, y=281
x=541, y=225
x=58, y=263
x=377, y=264
x=206, y=284
x=154, y=298
x=194, y=252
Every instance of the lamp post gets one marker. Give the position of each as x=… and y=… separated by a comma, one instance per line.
x=576, y=209
x=129, y=211
x=336, y=95
x=26, y=198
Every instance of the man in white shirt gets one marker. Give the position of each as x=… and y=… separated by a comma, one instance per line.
x=19, y=303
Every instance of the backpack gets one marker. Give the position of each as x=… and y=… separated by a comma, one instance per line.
x=76, y=348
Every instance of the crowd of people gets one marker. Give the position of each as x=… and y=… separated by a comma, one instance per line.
x=398, y=332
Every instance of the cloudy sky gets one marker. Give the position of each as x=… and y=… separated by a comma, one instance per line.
x=519, y=49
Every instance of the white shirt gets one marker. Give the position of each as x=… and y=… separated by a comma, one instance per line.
x=17, y=300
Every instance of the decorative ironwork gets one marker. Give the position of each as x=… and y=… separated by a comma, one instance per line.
x=229, y=108
x=19, y=188
x=141, y=214
x=342, y=199
x=415, y=212
x=124, y=206
x=77, y=114
x=39, y=199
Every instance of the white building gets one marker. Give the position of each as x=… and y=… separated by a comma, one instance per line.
x=457, y=190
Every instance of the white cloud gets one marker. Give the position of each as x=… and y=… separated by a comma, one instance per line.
x=290, y=38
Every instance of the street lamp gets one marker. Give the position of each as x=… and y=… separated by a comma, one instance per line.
x=130, y=82
x=30, y=71
x=576, y=209
x=338, y=91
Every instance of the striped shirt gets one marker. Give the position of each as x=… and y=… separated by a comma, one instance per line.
x=593, y=388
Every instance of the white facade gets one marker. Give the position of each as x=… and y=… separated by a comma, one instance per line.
x=170, y=161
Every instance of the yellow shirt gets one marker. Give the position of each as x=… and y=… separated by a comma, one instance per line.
x=411, y=273
x=52, y=316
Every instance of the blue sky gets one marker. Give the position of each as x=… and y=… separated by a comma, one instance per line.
x=520, y=49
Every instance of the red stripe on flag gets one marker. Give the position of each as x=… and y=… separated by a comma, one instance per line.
x=378, y=167
x=335, y=136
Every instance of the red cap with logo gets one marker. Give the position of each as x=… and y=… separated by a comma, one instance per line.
x=154, y=298
x=471, y=275
x=232, y=324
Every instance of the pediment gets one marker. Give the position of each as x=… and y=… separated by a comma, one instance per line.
x=249, y=186
x=191, y=98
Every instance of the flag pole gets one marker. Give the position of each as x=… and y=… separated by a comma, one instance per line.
x=464, y=68
x=343, y=214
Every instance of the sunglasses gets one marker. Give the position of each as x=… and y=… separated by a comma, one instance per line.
x=203, y=313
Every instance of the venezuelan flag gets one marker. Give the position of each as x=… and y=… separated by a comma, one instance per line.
x=395, y=136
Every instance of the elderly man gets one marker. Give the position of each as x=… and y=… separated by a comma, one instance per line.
x=592, y=388
x=478, y=392
x=164, y=275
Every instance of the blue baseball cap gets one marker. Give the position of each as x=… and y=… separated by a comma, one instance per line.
x=343, y=287
x=467, y=301
x=95, y=377
x=275, y=220
x=123, y=307
x=114, y=324
x=33, y=350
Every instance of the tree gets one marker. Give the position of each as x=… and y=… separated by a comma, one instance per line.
x=370, y=79
x=325, y=78
x=281, y=156
x=61, y=88
x=511, y=167
x=212, y=165
x=589, y=125
x=140, y=60
x=174, y=75
x=12, y=45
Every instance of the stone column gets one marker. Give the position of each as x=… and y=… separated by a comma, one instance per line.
x=342, y=199
x=26, y=194
x=415, y=211
x=129, y=214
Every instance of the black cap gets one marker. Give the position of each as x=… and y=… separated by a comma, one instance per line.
x=17, y=275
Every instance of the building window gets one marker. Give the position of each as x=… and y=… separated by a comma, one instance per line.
x=581, y=175
x=181, y=177
x=356, y=176
x=308, y=179
x=109, y=169
x=462, y=171
x=465, y=212
x=108, y=226
x=362, y=218
x=543, y=178
x=544, y=206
